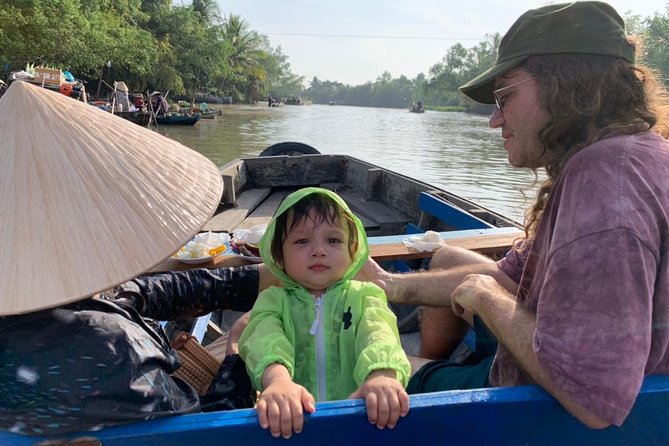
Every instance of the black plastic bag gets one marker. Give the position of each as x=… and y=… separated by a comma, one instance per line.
x=230, y=389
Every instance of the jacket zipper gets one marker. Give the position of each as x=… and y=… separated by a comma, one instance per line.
x=317, y=330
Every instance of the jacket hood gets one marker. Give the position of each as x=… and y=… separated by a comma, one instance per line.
x=359, y=256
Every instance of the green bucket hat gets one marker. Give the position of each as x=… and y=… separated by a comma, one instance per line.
x=579, y=27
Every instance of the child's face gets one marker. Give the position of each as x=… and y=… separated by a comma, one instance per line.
x=316, y=256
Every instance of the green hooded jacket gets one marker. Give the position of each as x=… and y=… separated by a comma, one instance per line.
x=355, y=334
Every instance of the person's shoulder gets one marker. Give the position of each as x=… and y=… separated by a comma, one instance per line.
x=635, y=143
x=617, y=153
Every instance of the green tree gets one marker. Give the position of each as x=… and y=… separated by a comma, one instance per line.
x=207, y=11
x=458, y=66
x=322, y=92
x=281, y=81
x=656, y=43
x=76, y=36
x=247, y=76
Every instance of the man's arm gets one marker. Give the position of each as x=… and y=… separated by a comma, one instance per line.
x=432, y=287
x=514, y=327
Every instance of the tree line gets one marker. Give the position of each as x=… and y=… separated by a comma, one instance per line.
x=192, y=48
x=148, y=44
x=439, y=88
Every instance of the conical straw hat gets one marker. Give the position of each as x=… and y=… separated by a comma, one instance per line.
x=89, y=200
x=121, y=86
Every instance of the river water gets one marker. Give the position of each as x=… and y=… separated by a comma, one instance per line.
x=454, y=151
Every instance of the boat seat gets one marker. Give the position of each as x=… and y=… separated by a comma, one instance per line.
x=263, y=213
x=376, y=217
x=488, y=241
x=244, y=203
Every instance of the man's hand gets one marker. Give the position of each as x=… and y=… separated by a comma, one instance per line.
x=469, y=294
x=372, y=272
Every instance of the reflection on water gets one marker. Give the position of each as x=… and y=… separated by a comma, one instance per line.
x=454, y=151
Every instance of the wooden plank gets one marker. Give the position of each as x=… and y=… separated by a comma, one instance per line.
x=484, y=244
x=264, y=212
x=294, y=171
x=368, y=224
x=374, y=178
x=386, y=219
x=227, y=220
x=221, y=261
x=229, y=192
x=339, y=188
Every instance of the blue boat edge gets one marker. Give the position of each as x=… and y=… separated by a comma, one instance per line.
x=511, y=415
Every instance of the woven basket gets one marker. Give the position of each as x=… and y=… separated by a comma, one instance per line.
x=198, y=367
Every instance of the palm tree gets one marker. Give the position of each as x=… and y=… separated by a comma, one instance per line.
x=246, y=52
x=208, y=11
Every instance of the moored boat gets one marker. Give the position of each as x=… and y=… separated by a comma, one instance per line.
x=211, y=113
x=178, y=118
x=138, y=117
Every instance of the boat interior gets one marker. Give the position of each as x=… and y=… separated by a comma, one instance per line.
x=386, y=202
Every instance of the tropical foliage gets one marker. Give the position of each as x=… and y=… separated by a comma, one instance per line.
x=191, y=47
x=439, y=89
x=149, y=44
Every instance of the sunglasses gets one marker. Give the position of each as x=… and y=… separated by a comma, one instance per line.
x=499, y=100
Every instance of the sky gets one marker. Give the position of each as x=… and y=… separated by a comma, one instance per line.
x=355, y=41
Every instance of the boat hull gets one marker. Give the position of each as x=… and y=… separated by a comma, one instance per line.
x=138, y=117
x=387, y=202
x=524, y=415
x=178, y=119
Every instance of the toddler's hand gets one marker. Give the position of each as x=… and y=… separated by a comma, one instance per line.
x=385, y=398
x=280, y=407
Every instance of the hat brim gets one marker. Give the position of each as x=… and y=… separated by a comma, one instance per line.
x=89, y=200
x=482, y=86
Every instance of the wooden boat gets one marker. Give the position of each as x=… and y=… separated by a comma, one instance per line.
x=138, y=117
x=178, y=119
x=296, y=100
x=390, y=205
x=211, y=113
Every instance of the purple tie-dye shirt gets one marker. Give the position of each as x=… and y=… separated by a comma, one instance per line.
x=597, y=276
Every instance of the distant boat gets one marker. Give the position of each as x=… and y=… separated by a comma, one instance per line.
x=211, y=114
x=295, y=100
x=138, y=117
x=178, y=119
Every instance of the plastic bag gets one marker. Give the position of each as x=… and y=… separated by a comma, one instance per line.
x=249, y=236
x=212, y=239
x=428, y=241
